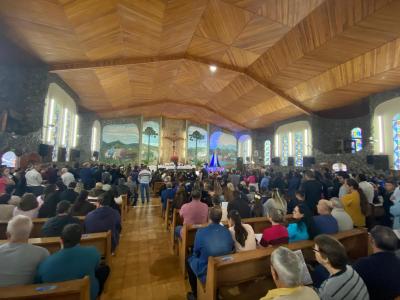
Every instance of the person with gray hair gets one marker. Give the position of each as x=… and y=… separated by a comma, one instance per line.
x=287, y=272
x=345, y=222
x=19, y=259
x=67, y=177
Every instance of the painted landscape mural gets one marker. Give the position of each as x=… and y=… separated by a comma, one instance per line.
x=224, y=145
x=120, y=144
x=150, y=142
x=196, y=145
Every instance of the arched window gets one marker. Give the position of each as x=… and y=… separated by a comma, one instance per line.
x=267, y=153
x=356, y=140
x=298, y=148
x=224, y=146
x=9, y=159
x=285, y=149
x=245, y=148
x=196, y=145
x=150, y=142
x=339, y=167
x=95, y=143
x=396, y=141
x=60, y=120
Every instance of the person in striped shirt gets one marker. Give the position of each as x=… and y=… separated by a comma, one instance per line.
x=344, y=282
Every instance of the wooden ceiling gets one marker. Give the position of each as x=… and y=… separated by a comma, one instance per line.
x=276, y=58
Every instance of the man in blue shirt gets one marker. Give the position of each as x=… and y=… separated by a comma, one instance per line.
x=213, y=240
x=325, y=222
x=73, y=262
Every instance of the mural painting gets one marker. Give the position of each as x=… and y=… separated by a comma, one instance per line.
x=224, y=145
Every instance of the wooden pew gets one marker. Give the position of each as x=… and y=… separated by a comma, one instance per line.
x=156, y=187
x=36, y=230
x=68, y=290
x=233, y=269
x=100, y=240
x=167, y=214
x=189, y=232
x=176, y=220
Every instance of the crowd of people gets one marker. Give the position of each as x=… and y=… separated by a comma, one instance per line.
x=301, y=205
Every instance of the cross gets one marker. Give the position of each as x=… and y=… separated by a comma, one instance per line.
x=174, y=139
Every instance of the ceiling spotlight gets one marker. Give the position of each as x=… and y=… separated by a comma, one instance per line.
x=213, y=68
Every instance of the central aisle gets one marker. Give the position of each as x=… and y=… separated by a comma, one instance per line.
x=144, y=267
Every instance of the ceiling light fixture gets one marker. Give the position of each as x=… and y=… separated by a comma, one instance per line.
x=213, y=68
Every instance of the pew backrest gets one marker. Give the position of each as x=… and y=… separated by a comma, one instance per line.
x=68, y=290
x=36, y=229
x=246, y=266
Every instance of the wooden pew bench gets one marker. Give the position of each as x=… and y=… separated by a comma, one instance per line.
x=234, y=269
x=68, y=290
x=167, y=217
x=36, y=230
x=100, y=240
x=176, y=221
x=189, y=233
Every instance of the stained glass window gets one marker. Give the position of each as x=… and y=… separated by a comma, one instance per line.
x=267, y=152
x=244, y=144
x=396, y=141
x=285, y=150
x=298, y=149
x=356, y=140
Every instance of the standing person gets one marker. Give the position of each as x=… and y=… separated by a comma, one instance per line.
x=342, y=217
x=67, y=177
x=366, y=187
x=343, y=189
x=242, y=234
x=86, y=176
x=74, y=262
x=34, y=180
x=343, y=282
x=213, y=240
x=355, y=203
x=388, y=198
x=240, y=204
x=4, y=180
x=312, y=189
x=144, y=179
x=19, y=259
x=275, y=202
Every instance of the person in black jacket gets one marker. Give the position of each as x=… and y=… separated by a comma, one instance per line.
x=312, y=189
x=240, y=204
x=55, y=225
x=69, y=194
x=50, y=200
x=82, y=206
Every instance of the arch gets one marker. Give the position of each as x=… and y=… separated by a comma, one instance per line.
x=224, y=145
x=9, y=159
x=356, y=139
x=267, y=153
x=197, y=138
x=396, y=141
x=244, y=145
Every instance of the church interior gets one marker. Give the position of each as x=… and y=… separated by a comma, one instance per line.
x=120, y=118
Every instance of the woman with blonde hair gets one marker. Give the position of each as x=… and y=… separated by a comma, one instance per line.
x=228, y=194
x=276, y=202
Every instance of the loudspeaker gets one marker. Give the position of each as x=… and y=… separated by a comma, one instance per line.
x=239, y=163
x=380, y=162
x=276, y=161
x=74, y=155
x=46, y=152
x=62, y=154
x=308, y=161
x=290, y=161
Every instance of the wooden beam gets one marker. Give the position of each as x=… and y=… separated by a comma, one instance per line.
x=166, y=101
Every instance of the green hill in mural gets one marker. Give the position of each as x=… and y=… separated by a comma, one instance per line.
x=118, y=152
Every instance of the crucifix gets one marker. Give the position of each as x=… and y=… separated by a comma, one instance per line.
x=173, y=139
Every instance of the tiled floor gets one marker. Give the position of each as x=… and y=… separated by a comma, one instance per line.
x=144, y=267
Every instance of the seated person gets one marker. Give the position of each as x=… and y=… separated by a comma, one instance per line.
x=82, y=206
x=97, y=190
x=74, y=262
x=55, y=225
x=287, y=273
x=29, y=206
x=69, y=194
x=342, y=217
x=304, y=228
x=104, y=218
x=240, y=204
x=277, y=233
x=325, y=222
x=381, y=270
x=122, y=188
x=6, y=212
x=194, y=212
x=167, y=194
x=213, y=240
x=242, y=234
x=19, y=259
x=50, y=200
x=343, y=282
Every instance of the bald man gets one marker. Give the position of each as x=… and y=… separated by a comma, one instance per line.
x=325, y=222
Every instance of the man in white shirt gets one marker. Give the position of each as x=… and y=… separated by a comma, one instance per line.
x=144, y=179
x=19, y=259
x=67, y=177
x=342, y=217
x=366, y=187
x=34, y=180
